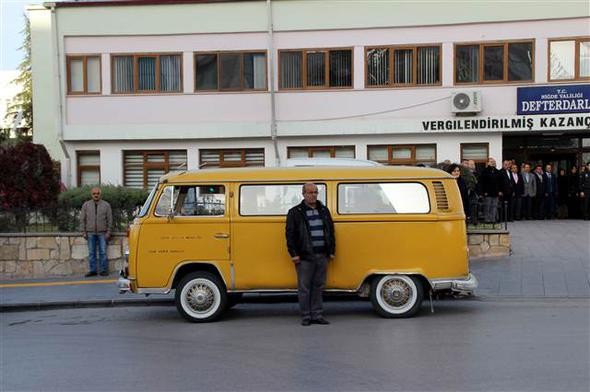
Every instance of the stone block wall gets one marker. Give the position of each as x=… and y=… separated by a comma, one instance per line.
x=486, y=243
x=58, y=255
x=52, y=255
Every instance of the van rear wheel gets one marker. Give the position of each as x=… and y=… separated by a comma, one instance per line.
x=396, y=296
x=201, y=297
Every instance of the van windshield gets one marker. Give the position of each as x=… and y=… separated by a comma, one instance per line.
x=148, y=202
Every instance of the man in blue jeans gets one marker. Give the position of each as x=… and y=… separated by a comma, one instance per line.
x=96, y=220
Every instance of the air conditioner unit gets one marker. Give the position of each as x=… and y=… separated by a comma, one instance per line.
x=466, y=102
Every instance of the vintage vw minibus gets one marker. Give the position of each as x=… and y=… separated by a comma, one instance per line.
x=212, y=235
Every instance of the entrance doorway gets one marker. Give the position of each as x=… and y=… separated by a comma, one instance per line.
x=557, y=160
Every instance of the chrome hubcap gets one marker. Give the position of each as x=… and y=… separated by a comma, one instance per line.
x=200, y=297
x=396, y=292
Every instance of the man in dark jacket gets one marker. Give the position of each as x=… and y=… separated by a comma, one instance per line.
x=506, y=187
x=550, y=191
x=490, y=189
x=310, y=242
x=539, y=201
x=585, y=192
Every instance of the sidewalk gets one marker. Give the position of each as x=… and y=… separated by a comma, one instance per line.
x=550, y=259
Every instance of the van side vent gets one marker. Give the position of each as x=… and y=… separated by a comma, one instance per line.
x=441, y=196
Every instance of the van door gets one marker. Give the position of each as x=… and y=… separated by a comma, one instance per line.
x=190, y=223
x=259, y=246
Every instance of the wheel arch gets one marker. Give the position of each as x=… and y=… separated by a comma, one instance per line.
x=186, y=268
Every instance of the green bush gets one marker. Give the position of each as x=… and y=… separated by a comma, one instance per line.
x=124, y=202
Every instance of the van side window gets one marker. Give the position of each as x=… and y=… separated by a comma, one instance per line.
x=192, y=200
x=383, y=198
x=273, y=199
x=202, y=200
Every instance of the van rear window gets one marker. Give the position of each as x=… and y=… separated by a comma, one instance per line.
x=273, y=199
x=383, y=198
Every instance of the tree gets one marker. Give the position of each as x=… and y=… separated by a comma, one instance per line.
x=23, y=101
x=28, y=179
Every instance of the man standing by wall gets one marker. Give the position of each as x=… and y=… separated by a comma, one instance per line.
x=96, y=220
x=310, y=241
x=490, y=189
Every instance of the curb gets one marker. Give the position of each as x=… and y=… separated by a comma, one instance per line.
x=108, y=303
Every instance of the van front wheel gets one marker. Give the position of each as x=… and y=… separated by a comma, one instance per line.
x=200, y=297
x=396, y=296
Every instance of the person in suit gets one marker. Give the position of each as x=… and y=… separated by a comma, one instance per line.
x=551, y=191
x=563, y=180
x=573, y=194
x=506, y=189
x=585, y=192
x=539, y=201
x=490, y=190
x=529, y=191
x=517, y=191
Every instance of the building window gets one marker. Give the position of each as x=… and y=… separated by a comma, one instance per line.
x=478, y=152
x=159, y=73
x=403, y=154
x=402, y=66
x=230, y=71
x=315, y=68
x=83, y=75
x=236, y=157
x=503, y=62
x=321, y=152
x=569, y=59
x=88, y=167
x=143, y=169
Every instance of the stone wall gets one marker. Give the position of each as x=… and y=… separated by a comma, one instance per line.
x=52, y=255
x=58, y=255
x=487, y=243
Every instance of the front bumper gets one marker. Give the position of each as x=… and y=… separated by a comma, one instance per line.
x=467, y=285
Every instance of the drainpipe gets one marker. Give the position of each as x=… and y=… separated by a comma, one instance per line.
x=60, y=122
x=273, y=111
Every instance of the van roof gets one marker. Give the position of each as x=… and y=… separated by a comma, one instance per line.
x=304, y=174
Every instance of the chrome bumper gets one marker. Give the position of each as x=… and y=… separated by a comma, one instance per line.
x=467, y=285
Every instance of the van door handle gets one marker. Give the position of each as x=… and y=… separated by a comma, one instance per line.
x=221, y=235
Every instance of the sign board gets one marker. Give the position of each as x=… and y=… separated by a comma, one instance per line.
x=559, y=99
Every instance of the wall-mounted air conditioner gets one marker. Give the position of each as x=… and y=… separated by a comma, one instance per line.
x=466, y=102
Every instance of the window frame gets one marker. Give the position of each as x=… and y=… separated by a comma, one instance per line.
x=406, y=162
x=311, y=149
x=505, y=60
x=326, y=85
x=150, y=165
x=81, y=168
x=391, y=58
x=217, y=53
x=382, y=213
x=487, y=146
x=136, y=90
x=577, y=40
x=84, y=58
x=234, y=164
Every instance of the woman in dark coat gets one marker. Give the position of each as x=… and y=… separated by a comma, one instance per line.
x=455, y=171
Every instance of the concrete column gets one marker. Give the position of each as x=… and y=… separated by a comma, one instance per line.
x=188, y=72
x=359, y=67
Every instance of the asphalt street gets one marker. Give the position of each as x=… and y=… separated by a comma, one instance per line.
x=494, y=344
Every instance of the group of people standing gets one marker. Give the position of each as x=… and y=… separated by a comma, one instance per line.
x=516, y=192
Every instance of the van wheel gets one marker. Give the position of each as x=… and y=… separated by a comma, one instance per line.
x=200, y=297
x=396, y=296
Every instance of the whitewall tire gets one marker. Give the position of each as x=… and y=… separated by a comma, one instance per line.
x=201, y=297
x=396, y=296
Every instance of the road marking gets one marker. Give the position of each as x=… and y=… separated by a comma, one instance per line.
x=68, y=283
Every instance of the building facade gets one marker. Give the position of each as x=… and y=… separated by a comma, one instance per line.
x=124, y=92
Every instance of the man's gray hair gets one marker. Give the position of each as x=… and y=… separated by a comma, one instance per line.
x=306, y=184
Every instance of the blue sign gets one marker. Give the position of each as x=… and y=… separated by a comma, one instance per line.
x=554, y=99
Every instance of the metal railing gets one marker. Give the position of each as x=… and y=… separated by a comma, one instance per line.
x=55, y=219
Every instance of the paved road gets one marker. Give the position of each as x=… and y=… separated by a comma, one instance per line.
x=535, y=345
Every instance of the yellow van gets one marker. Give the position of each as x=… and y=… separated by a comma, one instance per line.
x=213, y=235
